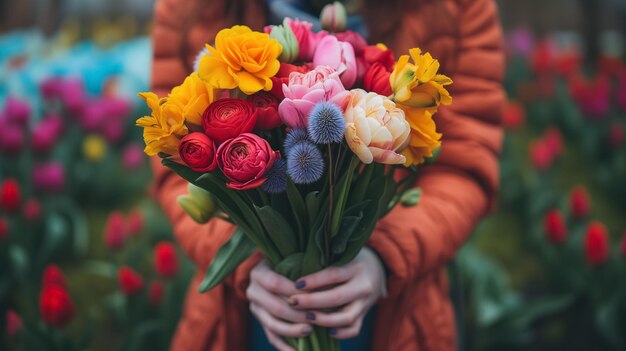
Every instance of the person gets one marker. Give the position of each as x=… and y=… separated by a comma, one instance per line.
x=401, y=274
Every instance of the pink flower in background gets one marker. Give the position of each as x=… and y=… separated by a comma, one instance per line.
x=52, y=87
x=616, y=135
x=307, y=40
x=132, y=156
x=165, y=259
x=17, y=111
x=554, y=141
x=46, y=133
x=48, y=177
x=14, y=323
x=555, y=227
x=592, y=96
x=53, y=276
x=579, y=202
x=339, y=56
x=73, y=95
x=11, y=139
x=115, y=231
x=31, y=210
x=135, y=222
x=541, y=155
x=130, y=281
x=521, y=41
x=305, y=90
x=596, y=244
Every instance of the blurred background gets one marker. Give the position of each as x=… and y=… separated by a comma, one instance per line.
x=88, y=261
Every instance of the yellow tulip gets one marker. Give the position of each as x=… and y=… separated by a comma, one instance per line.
x=241, y=59
x=192, y=98
x=424, y=139
x=164, y=128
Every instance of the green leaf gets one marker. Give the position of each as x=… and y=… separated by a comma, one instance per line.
x=361, y=185
x=313, y=205
x=279, y=230
x=411, y=197
x=187, y=173
x=299, y=209
x=291, y=266
x=348, y=225
x=343, y=187
x=236, y=250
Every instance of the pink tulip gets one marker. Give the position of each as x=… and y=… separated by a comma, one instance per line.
x=11, y=139
x=48, y=177
x=46, y=133
x=338, y=55
x=305, y=90
x=307, y=40
x=17, y=111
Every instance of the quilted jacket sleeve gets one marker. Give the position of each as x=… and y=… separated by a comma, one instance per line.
x=459, y=188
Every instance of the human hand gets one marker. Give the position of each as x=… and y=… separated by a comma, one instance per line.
x=352, y=289
x=267, y=293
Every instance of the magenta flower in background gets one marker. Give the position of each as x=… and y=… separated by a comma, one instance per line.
x=17, y=111
x=11, y=138
x=52, y=87
x=132, y=156
x=48, y=177
x=46, y=133
x=115, y=231
x=73, y=95
x=305, y=90
x=338, y=55
x=521, y=41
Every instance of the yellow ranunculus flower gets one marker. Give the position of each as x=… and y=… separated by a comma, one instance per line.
x=192, y=97
x=424, y=138
x=163, y=129
x=241, y=58
x=418, y=84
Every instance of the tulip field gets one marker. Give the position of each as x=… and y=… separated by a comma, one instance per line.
x=89, y=261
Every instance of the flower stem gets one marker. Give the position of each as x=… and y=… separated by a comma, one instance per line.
x=327, y=232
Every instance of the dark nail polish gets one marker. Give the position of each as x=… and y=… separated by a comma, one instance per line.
x=307, y=330
x=293, y=302
x=332, y=331
x=300, y=284
x=310, y=316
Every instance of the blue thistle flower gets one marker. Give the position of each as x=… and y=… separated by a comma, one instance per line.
x=294, y=137
x=326, y=123
x=305, y=164
x=276, y=178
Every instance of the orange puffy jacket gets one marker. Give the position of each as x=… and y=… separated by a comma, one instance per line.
x=414, y=243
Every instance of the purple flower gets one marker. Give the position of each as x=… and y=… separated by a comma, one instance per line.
x=326, y=123
x=276, y=178
x=48, y=177
x=294, y=137
x=305, y=164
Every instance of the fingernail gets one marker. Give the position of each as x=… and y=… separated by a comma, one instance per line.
x=292, y=301
x=307, y=330
x=300, y=284
x=332, y=331
x=310, y=316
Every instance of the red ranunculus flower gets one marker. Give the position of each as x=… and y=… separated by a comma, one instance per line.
x=555, y=228
x=115, y=231
x=10, y=195
x=228, y=118
x=373, y=54
x=56, y=306
x=198, y=152
x=165, y=259
x=155, y=292
x=245, y=160
x=376, y=79
x=282, y=77
x=596, y=244
x=579, y=202
x=134, y=222
x=4, y=228
x=53, y=276
x=130, y=282
x=266, y=106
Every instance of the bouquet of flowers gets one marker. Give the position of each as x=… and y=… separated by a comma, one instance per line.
x=302, y=140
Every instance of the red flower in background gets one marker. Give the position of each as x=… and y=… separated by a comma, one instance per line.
x=53, y=276
x=592, y=96
x=135, y=222
x=115, y=231
x=56, y=306
x=165, y=259
x=10, y=195
x=596, y=244
x=541, y=155
x=579, y=202
x=376, y=79
x=31, y=210
x=155, y=292
x=542, y=59
x=130, y=281
x=266, y=106
x=554, y=141
x=555, y=228
x=616, y=135
x=514, y=115
x=4, y=228
x=14, y=323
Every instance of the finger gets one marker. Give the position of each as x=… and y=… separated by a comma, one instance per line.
x=348, y=332
x=270, y=280
x=277, y=306
x=277, y=341
x=327, y=277
x=333, y=298
x=340, y=319
x=277, y=326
